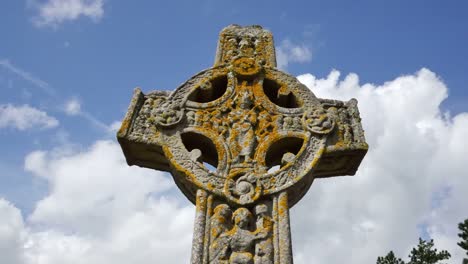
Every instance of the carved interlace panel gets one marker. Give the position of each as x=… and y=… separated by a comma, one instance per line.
x=245, y=134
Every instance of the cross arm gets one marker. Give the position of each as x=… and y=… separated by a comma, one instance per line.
x=346, y=145
x=137, y=135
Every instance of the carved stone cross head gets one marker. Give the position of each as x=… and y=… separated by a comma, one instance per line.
x=244, y=142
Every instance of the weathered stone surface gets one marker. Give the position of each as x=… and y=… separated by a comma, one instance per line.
x=244, y=142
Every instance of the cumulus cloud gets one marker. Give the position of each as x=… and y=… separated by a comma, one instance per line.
x=25, y=117
x=55, y=12
x=99, y=210
x=12, y=233
x=160, y=231
x=289, y=52
x=93, y=188
x=413, y=176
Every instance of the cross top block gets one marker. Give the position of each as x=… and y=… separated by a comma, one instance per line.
x=243, y=130
x=251, y=41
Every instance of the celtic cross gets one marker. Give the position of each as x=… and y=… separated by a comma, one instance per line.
x=243, y=142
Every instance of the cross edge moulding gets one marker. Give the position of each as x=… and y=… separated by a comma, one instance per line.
x=243, y=141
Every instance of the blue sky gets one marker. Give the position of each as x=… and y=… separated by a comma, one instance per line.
x=78, y=66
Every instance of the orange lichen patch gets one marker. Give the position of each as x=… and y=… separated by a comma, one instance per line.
x=245, y=66
x=132, y=111
x=124, y=127
x=210, y=186
x=201, y=202
x=177, y=166
x=283, y=208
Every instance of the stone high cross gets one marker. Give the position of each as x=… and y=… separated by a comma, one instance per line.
x=244, y=142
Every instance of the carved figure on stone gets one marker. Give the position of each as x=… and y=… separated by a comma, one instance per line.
x=246, y=46
x=242, y=138
x=264, y=247
x=345, y=127
x=297, y=122
x=264, y=123
x=287, y=122
x=318, y=121
x=242, y=239
x=231, y=48
x=218, y=122
x=191, y=118
x=220, y=223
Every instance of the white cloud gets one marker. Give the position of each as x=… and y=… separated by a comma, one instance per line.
x=99, y=210
x=25, y=117
x=12, y=234
x=112, y=188
x=415, y=152
x=54, y=12
x=289, y=52
x=73, y=107
x=160, y=230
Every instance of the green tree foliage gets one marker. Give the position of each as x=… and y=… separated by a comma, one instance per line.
x=389, y=259
x=424, y=253
x=463, y=226
x=463, y=235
